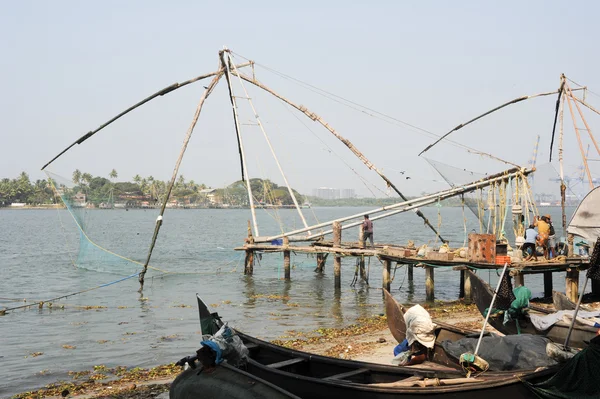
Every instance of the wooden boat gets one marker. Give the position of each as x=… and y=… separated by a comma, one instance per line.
x=224, y=382
x=562, y=302
x=482, y=295
x=314, y=376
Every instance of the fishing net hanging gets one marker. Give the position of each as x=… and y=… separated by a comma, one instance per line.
x=116, y=245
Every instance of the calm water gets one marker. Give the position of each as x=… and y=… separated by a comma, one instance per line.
x=38, y=248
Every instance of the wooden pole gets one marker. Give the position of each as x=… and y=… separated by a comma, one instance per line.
x=249, y=261
x=286, y=258
x=572, y=284
x=429, y=284
x=225, y=62
x=346, y=142
x=337, y=261
x=186, y=141
x=387, y=281
x=547, y=284
x=410, y=273
x=570, y=238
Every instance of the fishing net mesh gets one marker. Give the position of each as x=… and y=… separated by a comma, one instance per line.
x=111, y=245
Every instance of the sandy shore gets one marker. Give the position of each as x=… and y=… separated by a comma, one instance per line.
x=368, y=340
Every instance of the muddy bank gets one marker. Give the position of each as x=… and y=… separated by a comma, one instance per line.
x=367, y=340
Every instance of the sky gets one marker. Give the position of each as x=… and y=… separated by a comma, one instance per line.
x=69, y=66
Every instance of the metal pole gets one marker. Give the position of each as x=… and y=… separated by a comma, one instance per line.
x=490, y=309
x=575, y=313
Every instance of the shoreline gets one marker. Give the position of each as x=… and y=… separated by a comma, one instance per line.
x=371, y=342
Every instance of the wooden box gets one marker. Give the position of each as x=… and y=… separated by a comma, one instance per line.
x=482, y=248
x=435, y=255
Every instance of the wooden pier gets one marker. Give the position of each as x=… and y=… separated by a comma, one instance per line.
x=389, y=254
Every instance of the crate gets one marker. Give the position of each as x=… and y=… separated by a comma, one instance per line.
x=502, y=259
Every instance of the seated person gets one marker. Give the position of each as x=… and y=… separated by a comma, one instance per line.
x=543, y=229
x=529, y=246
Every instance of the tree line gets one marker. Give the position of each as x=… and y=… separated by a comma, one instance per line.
x=98, y=189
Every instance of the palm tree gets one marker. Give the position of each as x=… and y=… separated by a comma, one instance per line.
x=113, y=174
x=87, y=178
x=77, y=176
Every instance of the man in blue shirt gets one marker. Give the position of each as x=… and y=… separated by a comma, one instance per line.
x=528, y=247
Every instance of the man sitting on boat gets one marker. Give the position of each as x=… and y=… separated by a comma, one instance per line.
x=543, y=229
x=529, y=246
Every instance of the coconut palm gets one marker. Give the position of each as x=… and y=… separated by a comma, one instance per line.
x=113, y=174
x=77, y=176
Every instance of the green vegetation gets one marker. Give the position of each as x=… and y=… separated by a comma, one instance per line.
x=143, y=191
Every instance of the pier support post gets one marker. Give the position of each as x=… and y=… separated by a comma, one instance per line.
x=547, y=284
x=249, y=261
x=410, y=273
x=387, y=280
x=337, y=261
x=465, y=286
x=572, y=288
x=321, y=260
x=519, y=279
x=570, y=239
x=429, y=284
x=286, y=258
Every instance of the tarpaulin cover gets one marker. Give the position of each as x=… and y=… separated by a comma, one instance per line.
x=585, y=222
x=511, y=352
x=577, y=379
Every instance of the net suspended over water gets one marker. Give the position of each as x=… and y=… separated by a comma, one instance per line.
x=110, y=239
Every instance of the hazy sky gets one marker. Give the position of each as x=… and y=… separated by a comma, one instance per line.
x=68, y=66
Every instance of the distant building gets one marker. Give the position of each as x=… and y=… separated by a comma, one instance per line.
x=347, y=193
x=333, y=193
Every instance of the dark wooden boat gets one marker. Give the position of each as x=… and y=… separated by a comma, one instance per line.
x=482, y=295
x=313, y=376
x=224, y=382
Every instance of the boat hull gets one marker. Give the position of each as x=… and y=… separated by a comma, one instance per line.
x=482, y=296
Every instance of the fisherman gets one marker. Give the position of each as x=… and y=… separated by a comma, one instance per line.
x=529, y=247
x=367, y=226
x=551, y=236
x=543, y=229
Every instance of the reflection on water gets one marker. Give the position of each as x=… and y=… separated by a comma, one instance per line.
x=112, y=326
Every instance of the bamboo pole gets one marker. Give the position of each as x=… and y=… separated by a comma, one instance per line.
x=589, y=130
x=408, y=205
x=186, y=140
x=585, y=163
x=159, y=93
x=563, y=187
x=290, y=191
x=337, y=261
x=225, y=62
x=249, y=260
x=516, y=100
x=346, y=142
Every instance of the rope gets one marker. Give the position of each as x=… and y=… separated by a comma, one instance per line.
x=360, y=108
